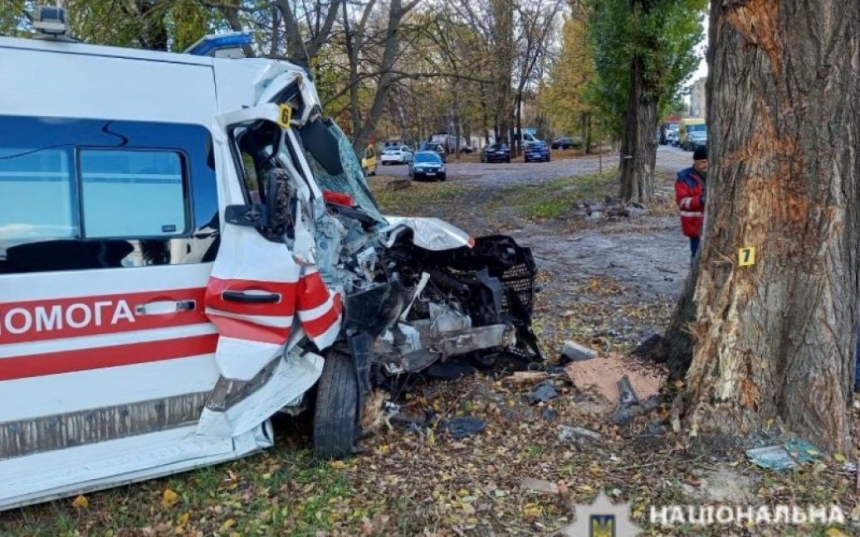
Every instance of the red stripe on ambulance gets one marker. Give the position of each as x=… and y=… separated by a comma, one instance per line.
x=40, y=320
x=54, y=363
x=244, y=329
x=319, y=326
x=285, y=306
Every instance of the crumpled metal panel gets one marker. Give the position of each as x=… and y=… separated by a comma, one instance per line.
x=431, y=233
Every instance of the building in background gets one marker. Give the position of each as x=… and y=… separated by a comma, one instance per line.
x=698, y=100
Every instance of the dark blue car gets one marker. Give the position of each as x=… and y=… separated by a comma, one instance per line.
x=536, y=151
x=427, y=165
x=496, y=153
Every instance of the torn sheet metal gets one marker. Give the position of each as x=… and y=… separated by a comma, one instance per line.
x=294, y=375
x=431, y=233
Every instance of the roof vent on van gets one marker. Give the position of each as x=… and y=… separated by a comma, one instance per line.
x=229, y=45
x=50, y=20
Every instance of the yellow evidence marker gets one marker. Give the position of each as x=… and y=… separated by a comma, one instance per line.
x=286, y=116
x=746, y=256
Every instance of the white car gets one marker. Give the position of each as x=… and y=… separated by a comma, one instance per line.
x=396, y=155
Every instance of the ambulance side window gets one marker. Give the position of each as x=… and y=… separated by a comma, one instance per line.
x=83, y=194
x=132, y=193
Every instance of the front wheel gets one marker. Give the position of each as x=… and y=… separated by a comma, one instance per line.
x=336, y=416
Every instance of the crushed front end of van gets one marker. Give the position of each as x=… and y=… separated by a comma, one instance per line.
x=412, y=293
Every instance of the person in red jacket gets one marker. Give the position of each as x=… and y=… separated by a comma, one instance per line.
x=690, y=190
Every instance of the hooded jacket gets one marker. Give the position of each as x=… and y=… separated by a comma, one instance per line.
x=689, y=191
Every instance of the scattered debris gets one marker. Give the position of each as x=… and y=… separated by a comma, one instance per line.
x=539, y=485
x=573, y=351
x=377, y=412
x=567, y=432
x=611, y=208
x=788, y=455
x=543, y=392
x=526, y=378
x=463, y=426
x=647, y=346
x=602, y=373
x=549, y=414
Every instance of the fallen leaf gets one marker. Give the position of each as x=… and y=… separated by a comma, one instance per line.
x=169, y=499
x=81, y=502
x=183, y=519
x=835, y=532
x=839, y=457
x=227, y=525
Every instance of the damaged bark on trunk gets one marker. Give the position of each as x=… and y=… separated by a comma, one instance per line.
x=638, y=148
x=776, y=340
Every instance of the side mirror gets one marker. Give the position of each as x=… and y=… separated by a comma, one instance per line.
x=274, y=218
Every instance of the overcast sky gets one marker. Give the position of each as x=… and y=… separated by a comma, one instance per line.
x=703, y=66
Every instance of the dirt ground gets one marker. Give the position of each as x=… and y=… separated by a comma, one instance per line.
x=607, y=282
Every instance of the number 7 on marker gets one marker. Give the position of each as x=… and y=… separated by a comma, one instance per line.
x=746, y=256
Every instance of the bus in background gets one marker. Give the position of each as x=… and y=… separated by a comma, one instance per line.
x=692, y=132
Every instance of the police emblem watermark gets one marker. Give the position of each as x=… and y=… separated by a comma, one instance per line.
x=602, y=519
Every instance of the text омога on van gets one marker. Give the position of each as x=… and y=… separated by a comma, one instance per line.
x=188, y=246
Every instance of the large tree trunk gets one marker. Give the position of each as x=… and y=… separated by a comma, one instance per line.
x=776, y=340
x=638, y=148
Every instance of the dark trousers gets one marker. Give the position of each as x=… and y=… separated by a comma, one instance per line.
x=694, y=246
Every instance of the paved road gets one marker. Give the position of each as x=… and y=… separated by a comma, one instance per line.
x=536, y=172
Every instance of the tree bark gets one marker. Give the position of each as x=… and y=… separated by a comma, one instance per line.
x=675, y=348
x=638, y=148
x=776, y=340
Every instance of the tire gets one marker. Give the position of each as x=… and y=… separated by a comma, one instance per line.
x=508, y=160
x=336, y=414
x=443, y=177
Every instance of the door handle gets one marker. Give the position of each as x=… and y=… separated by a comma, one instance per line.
x=165, y=307
x=251, y=297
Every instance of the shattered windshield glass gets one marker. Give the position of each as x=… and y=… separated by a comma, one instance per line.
x=351, y=181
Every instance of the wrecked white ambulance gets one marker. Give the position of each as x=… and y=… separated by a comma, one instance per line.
x=187, y=247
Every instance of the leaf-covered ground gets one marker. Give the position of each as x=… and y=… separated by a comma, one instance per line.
x=423, y=481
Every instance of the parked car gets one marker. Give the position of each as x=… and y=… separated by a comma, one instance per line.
x=435, y=147
x=566, y=142
x=498, y=152
x=427, y=165
x=536, y=151
x=695, y=139
x=396, y=155
x=368, y=163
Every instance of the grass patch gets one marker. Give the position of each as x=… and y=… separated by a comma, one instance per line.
x=280, y=492
x=403, y=197
x=554, y=198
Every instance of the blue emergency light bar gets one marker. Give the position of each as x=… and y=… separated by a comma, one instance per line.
x=211, y=44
